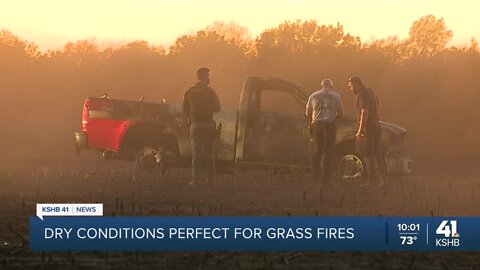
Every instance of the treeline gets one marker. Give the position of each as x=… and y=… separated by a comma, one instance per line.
x=425, y=86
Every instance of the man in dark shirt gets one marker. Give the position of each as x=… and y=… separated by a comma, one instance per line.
x=200, y=102
x=369, y=129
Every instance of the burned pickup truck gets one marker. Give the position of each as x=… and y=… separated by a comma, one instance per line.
x=268, y=129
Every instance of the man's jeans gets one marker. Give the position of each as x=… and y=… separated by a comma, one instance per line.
x=373, y=151
x=203, y=136
x=323, y=150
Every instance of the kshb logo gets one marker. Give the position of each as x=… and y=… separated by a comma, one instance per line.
x=447, y=234
x=448, y=230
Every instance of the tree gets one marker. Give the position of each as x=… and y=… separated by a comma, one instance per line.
x=473, y=45
x=233, y=33
x=218, y=33
x=396, y=50
x=303, y=36
x=10, y=41
x=81, y=48
x=428, y=36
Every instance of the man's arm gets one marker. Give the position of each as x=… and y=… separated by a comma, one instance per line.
x=308, y=110
x=216, y=102
x=378, y=106
x=363, y=105
x=186, y=104
x=339, y=113
x=361, y=125
x=339, y=108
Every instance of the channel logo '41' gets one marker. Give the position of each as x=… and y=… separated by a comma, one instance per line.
x=447, y=234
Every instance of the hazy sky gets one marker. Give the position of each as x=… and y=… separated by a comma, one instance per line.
x=52, y=23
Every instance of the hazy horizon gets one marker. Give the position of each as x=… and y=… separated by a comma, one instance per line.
x=118, y=22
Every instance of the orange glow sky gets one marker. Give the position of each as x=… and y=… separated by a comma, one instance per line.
x=52, y=23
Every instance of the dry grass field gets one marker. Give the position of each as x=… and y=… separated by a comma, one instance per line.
x=258, y=193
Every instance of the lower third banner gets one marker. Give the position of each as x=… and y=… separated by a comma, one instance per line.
x=254, y=233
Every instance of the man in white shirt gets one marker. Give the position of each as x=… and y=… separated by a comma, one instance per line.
x=323, y=108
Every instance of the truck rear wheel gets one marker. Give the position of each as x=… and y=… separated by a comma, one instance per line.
x=150, y=162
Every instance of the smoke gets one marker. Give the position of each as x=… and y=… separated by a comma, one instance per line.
x=433, y=97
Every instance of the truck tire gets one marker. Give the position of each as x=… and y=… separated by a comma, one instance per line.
x=150, y=163
x=350, y=166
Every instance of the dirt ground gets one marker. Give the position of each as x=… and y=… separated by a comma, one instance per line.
x=253, y=193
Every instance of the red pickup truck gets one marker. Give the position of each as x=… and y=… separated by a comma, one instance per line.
x=156, y=136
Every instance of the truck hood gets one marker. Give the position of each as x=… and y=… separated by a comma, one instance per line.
x=394, y=129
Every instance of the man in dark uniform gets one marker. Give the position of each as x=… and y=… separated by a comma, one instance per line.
x=369, y=129
x=200, y=102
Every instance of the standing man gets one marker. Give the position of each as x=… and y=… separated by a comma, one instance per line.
x=369, y=129
x=323, y=108
x=200, y=102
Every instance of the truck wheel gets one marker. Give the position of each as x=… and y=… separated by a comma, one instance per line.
x=150, y=162
x=350, y=166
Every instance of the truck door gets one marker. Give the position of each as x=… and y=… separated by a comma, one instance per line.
x=275, y=131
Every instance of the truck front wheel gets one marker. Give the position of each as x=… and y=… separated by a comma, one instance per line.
x=350, y=166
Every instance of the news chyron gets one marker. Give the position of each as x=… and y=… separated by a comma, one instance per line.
x=69, y=227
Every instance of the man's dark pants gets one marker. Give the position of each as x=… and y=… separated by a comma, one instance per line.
x=323, y=134
x=373, y=154
x=203, y=136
